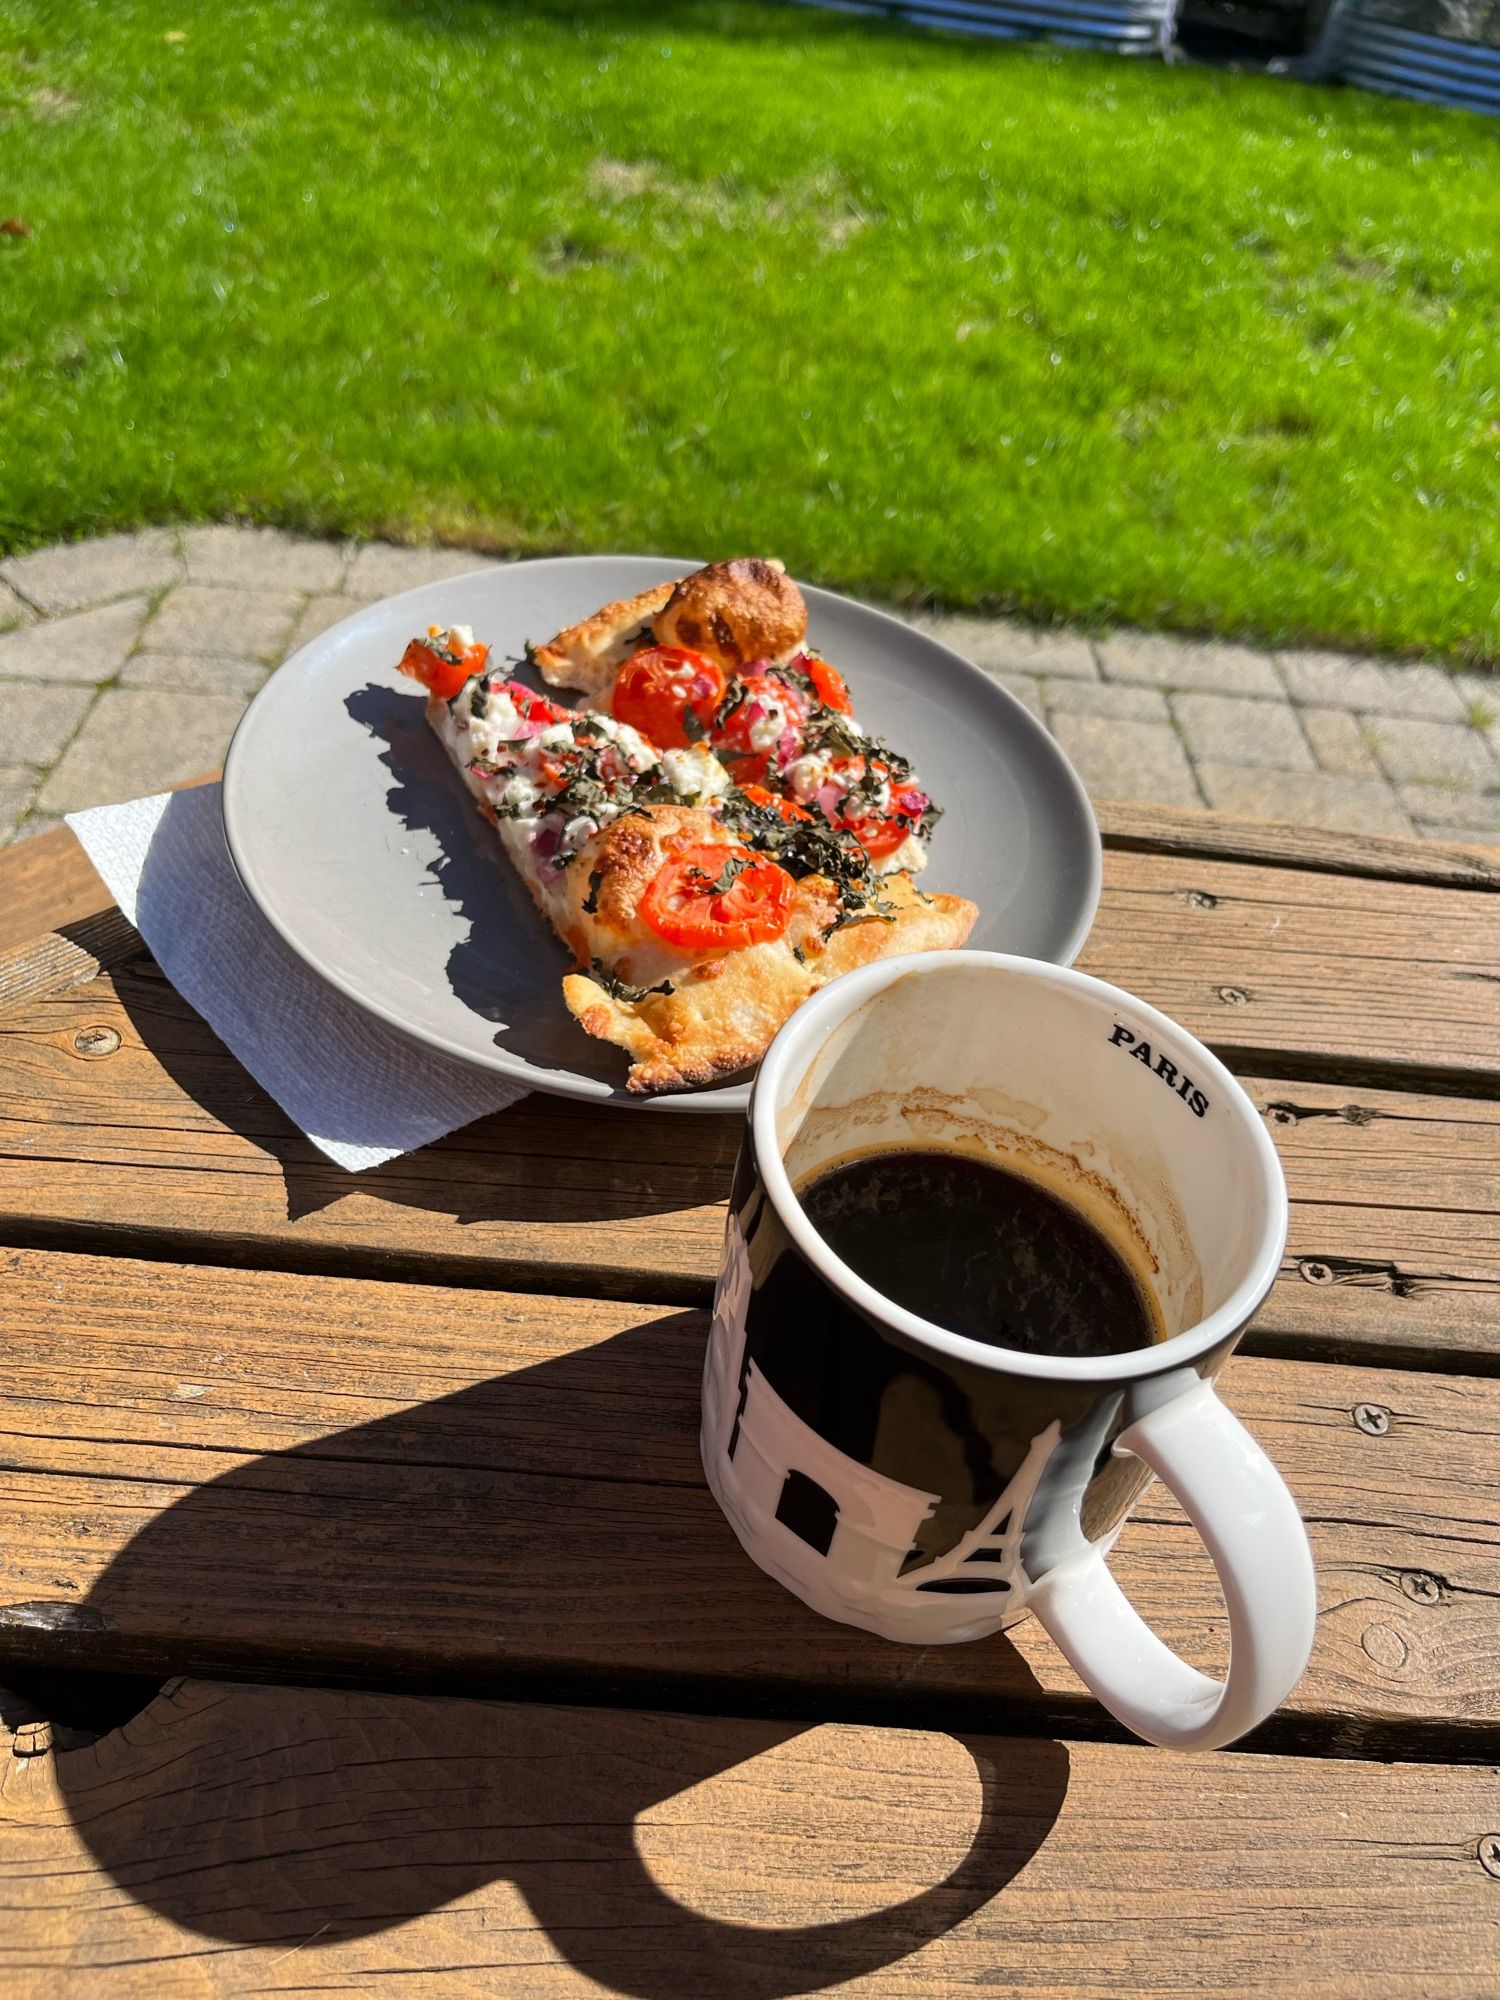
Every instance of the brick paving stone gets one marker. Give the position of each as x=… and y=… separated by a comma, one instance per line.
x=1338, y=742
x=1452, y=805
x=35, y=722
x=318, y=614
x=1225, y=729
x=1113, y=698
x=38, y=823
x=16, y=787
x=1127, y=760
x=1341, y=680
x=1161, y=661
x=75, y=575
x=1000, y=645
x=89, y=646
x=380, y=569
x=235, y=599
x=1439, y=753
x=1306, y=798
x=198, y=618
x=13, y=610
x=1479, y=696
x=139, y=740
x=246, y=558
x=1026, y=690
x=195, y=673
x=1466, y=836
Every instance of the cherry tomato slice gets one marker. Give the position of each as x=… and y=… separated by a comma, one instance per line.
x=768, y=707
x=531, y=706
x=682, y=905
x=828, y=684
x=655, y=688
x=879, y=834
x=788, y=808
x=878, y=837
x=441, y=665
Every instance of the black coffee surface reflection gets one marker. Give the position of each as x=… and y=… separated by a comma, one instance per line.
x=981, y=1251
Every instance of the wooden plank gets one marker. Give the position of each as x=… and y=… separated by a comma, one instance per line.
x=164, y=1147
x=235, y=1840
x=1295, y=963
x=1152, y=829
x=1394, y=1246
x=48, y=883
x=73, y=956
x=45, y=883
x=225, y=1471
x=155, y=1137
x=1280, y=963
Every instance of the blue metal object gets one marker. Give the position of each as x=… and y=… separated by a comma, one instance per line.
x=1142, y=27
x=1387, y=56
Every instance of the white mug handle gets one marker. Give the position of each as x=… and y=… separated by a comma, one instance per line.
x=1249, y=1523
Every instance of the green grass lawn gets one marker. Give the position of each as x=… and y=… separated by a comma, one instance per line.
x=926, y=317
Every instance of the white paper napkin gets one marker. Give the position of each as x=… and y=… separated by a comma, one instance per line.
x=360, y=1091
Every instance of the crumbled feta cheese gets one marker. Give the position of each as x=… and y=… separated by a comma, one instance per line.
x=806, y=775
x=694, y=774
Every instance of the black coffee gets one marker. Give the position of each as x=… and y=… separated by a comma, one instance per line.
x=981, y=1251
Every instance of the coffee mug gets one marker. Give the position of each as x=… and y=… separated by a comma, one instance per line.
x=930, y=1487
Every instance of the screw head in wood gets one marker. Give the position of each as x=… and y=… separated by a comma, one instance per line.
x=1315, y=1272
x=96, y=1041
x=1489, y=1854
x=1201, y=899
x=1280, y=1114
x=1420, y=1587
x=1233, y=996
x=1372, y=1419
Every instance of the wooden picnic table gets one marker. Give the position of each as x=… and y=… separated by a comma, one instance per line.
x=368, y=1510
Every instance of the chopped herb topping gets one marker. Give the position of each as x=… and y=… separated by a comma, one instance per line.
x=619, y=989
x=728, y=875
x=591, y=900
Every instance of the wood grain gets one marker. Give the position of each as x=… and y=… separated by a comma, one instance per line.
x=1132, y=824
x=45, y=883
x=1258, y=960
x=165, y=1147
x=48, y=881
x=224, y=1472
x=234, y=1840
x=1324, y=970
x=73, y=956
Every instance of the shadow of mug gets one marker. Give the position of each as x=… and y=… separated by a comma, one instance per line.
x=471, y=1540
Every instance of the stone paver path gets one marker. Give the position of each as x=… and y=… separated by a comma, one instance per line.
x=125, y=663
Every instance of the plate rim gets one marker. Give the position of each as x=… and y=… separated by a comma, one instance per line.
x=720, y=1098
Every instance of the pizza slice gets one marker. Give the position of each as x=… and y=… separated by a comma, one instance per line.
x=545, y=777
x=723, y=659
x=699, y=915
x=707, y=927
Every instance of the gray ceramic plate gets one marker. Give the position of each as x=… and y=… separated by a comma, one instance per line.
x=356, y=838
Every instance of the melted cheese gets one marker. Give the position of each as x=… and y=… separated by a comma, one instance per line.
x=515, y=769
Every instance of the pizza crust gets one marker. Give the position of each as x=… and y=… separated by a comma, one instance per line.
x=722, y=1011
x=737, y=613
x=589, y=654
